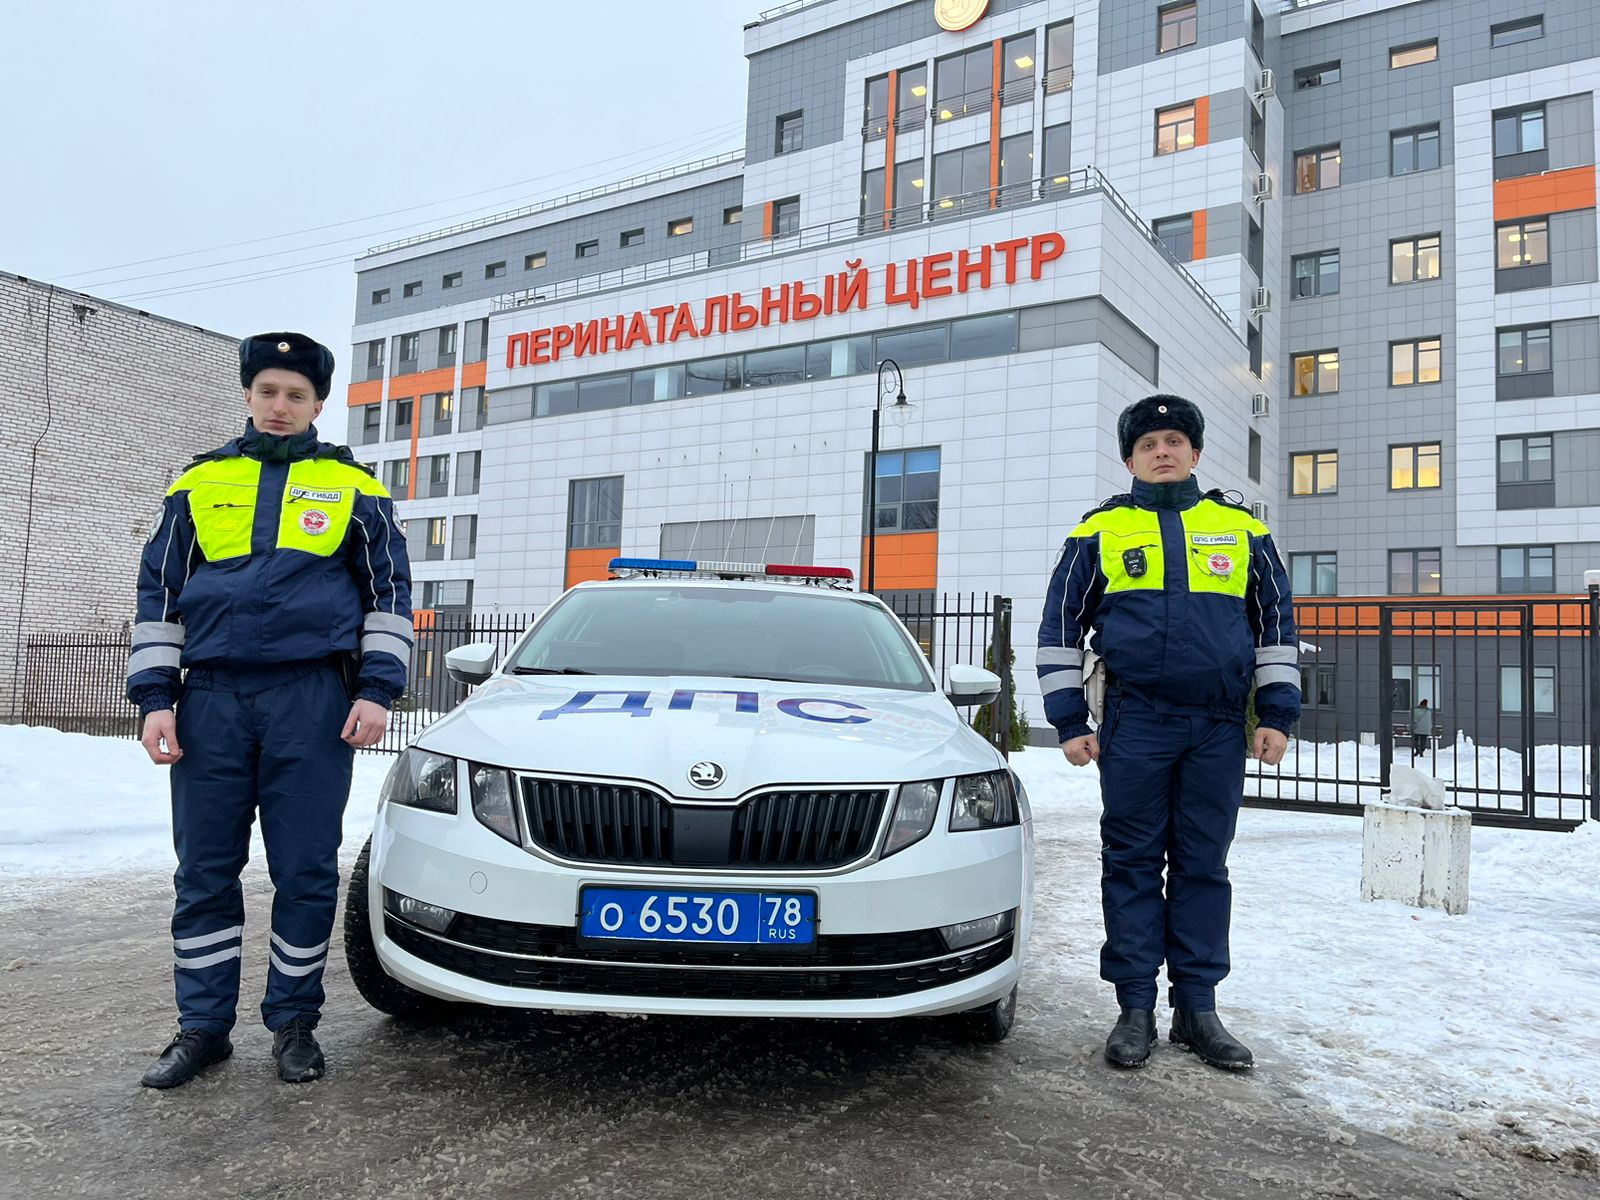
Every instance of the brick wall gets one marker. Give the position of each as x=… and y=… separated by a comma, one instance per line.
x=130, y=399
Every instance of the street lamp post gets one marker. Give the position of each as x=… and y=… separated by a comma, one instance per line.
x=888, y=384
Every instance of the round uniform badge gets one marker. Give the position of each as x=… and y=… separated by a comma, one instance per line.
x=314, y=521
x=1220, y=564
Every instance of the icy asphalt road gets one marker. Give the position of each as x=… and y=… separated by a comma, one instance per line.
x=500, y=1105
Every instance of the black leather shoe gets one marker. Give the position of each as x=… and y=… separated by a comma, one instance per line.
x=1131, y=1038
x=191, y=1052
x=298, y=1056
x=1202, y=1033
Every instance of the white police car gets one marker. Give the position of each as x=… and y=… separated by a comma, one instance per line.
x=704, y=789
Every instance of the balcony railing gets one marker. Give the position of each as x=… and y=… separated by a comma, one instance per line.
x=1058, y=79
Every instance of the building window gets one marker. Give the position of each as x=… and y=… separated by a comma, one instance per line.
x=1316, y=274
x=1314, y=473
x=1177, y=26
x=1315, y=573
x=1058, y=156
x=1529, y=459
x=1175, y=128
x=910, y=192
x=1317, y=685
x=1253, y=457
x=911, y=100
x=790, y=134
x=381, y=296
x=1524, y=243
x=1253, y=345
x=1255, y=247
x=1415, y=572
x=1058, y=58
x=447, y=342
x=908, y=491
x=1413, y=684
x=961, y=181
x=1527, y=569
x=632, y=237
x=444, y=404
x=1413, y=150
x=371, y=424
x=587, y=249
x=1544, y=690
x=464, y=542
x=875, y=117
x=680, y=226
x=410, y=344
x=1316, y=170
x=964, y=83
x=453, y=279
x=533, y=262
x=1519, y=131
x=1315, y=373
x=494, y=270
x=786, y=217
x=1177, y=235
x=1414, y=259
x=1524, y=351
x=734, y=215
x=1414, y=55
x=467, y=464
x=436, y=533
x=595, y=506
x=411, y=289
x=1016, y=69
x=375, y=359
x=1320, y=75
x=1258, y=133
x=1509, y=33
x=1016, y=169
x=1414, y=362
x=872, y=197
x=397, y=477
x=1414, y=467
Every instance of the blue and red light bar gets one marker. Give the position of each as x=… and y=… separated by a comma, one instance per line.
x=624, y=568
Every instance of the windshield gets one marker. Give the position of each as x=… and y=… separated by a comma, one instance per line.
x=798, y=636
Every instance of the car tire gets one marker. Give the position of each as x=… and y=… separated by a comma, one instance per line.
x=377, y=987
x=992, y=1023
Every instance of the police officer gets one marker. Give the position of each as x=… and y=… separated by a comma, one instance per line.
x=1183, y=597
x=276, y=576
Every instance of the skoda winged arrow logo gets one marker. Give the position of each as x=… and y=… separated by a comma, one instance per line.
x=706, y=774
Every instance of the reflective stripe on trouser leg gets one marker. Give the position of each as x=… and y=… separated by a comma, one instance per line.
x=213, y=800
x=303, y=784
x=1138, y=754
x=1205, y=813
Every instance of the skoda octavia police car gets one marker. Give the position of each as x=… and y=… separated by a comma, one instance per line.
x=703, y=788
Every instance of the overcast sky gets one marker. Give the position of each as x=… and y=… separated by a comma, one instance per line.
x=157, y=149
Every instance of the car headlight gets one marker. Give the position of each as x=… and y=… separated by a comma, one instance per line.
x=422, y=779
x=914, y=810
x=494, y=801
x=987, y=801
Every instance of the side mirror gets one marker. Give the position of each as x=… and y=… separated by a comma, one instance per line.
x=473, y=663
x=972, y=685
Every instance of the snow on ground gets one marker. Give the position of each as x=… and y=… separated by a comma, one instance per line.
x=1425, y=1026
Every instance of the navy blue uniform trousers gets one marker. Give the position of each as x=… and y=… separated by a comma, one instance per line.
x=1171, y=785
x=260, y=738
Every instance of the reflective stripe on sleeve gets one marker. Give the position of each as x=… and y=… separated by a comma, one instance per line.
x=1059, y=681
x=385, y=643
x=154, y=656
x=1271, y=655
x=1058, y=656
x=160, y=633
x=1270, y=675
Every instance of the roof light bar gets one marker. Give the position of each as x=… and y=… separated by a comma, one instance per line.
x=625, y=568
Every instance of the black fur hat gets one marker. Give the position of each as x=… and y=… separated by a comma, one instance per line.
x=1159, y=412
x=290, y=352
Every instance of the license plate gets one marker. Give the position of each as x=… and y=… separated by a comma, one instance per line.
x=693, y=915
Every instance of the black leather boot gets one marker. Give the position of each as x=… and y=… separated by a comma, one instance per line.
x=1131, y=1038
x=1202, y=1033
x=298, y=1056
x=191, y=1052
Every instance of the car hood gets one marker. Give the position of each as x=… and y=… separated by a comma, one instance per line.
x=655, y=729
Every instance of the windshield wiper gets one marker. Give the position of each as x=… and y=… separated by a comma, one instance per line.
x=550, y=671
x=772, y=678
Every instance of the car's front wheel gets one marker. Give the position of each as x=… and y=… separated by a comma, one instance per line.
x=377, y=987
x=991, y=1023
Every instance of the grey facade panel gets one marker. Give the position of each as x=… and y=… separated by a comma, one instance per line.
x=1577, y=479
x=1082, y=322
x=1575, y=351
x=1128, y=30
x=1228, y=113
x=1569, y=131
x=1225, y=231
x=1574, y=256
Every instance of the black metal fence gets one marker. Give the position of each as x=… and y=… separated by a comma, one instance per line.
x=77, y=683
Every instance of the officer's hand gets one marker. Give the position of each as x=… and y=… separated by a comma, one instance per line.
x=161, y=726
x=365, y=725
x=1270, y=745
x=1081, y=751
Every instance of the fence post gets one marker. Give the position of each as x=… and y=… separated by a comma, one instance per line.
x=1593, y=580
x=1000, y=656
x=1525, y=649
x=1385, y=699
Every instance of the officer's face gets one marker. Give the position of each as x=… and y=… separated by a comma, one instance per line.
x=1164, y=456
x=282, y=402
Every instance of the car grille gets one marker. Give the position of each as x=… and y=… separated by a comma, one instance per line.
x=786, y=978
x=605, y=822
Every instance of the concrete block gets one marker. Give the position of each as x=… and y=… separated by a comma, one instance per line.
x=1418, y=856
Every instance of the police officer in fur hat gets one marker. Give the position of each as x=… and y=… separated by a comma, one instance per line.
x=273, y=635
x=1181, y=596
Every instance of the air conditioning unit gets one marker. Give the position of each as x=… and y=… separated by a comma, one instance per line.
x=1266, y=85
x=1261, y=189
x=1260, y=404
x=1258, y=509
x=1262, y=303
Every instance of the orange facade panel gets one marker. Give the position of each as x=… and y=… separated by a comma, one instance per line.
x=1541, y=195
x=1199, y=220
x=1202, y=121
x=888, y=149
x=474, y=374
x=423, y=383
x=370, y=392
x=585, y=565
x=1444, y=616
x=905, y=561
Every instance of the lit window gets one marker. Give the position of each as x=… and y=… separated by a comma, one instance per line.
x=1524, y=243
x=1414, y=467
x=734, y=215
x=1314, y=473
x=1316, y=373
x=1413, y=55
x=1316, y=170
x=1175, y=129
x=1177, y=26
x=680, y=227
x=1414, y=259
x=1415, y=362
x=534, y=261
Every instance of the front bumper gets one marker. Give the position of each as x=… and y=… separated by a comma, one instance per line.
x=878, y=950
